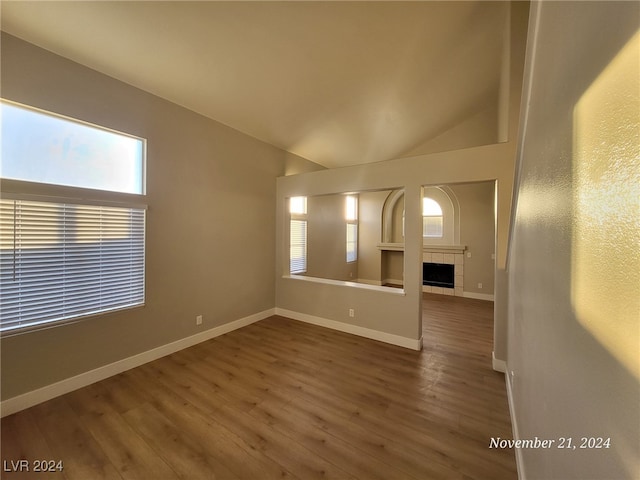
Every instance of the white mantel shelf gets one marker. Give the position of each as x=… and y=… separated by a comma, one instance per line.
x=399, y=247
x=391, y=247
x=444, y=248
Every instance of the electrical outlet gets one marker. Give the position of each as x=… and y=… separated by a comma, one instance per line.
x=468, y=254
x=352, y=312
x=493, y=256
x=199, y=320
x=479, y=285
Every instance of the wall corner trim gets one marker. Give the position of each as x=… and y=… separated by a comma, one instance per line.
x=411, y=343
x=514, y=425
x=497, y=364
x=34, y=397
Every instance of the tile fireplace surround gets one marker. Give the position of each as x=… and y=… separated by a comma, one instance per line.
x=448, y=255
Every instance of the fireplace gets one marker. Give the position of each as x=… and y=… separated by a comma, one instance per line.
x=443, y=269
x=438, y=275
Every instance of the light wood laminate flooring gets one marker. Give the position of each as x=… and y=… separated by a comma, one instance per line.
x=284, y=399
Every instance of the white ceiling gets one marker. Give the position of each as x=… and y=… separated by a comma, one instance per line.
x=338, y=83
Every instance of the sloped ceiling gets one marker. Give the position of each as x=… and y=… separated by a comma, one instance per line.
x=338, y=83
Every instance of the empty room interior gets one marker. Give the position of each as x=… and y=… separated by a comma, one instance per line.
x=347, y=240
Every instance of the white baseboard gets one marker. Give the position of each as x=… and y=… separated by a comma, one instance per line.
x=405, y=342
x=514, y=426
x=498, y=365
x=29, y=399
x=478, y=296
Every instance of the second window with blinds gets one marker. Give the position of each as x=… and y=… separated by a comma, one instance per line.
x=298, y=235
x=351, y=215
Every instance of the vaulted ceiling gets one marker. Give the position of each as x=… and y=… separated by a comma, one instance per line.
x=338, y=83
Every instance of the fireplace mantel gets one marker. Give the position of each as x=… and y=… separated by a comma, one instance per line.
x=444, y=248
x=391, y=247
x=399, y=247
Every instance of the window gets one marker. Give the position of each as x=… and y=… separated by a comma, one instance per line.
x=46, y=148
x=67, y=257
x=352, y=242
x=351, y=215
x=298, y=235
x=351, y=208
x=431, y=218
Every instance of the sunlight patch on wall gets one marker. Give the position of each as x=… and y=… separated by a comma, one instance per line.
x=606, y=202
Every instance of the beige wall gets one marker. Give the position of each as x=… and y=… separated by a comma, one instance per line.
x=370, y=209
x=477, y=232
x=210, y=226
x=475, y=129
x=393, y=268
x=397, y=233
x=574, y=336
x=327, y=239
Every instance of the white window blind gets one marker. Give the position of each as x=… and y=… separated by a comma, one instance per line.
x=351, y=216
x=352, y=242
x=432, y=226
x=60, y=261
x=298, y=246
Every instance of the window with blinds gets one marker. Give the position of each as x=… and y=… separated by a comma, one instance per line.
x=61, y=261
x=298, y=247
x=72, y=223
x=298, y=235
x=352, y=242
x=351, y=216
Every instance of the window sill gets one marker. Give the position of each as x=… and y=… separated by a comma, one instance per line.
x=340, y=283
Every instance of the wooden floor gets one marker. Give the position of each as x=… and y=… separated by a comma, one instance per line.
x=284, y=399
